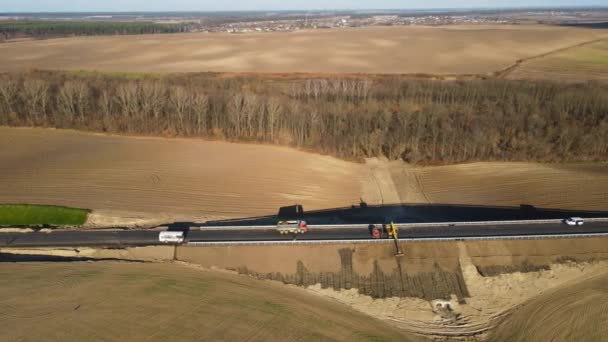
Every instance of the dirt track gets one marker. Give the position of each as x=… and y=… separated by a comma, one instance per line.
x=459, y=49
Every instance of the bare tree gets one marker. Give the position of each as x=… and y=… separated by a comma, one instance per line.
x=106, y=107
x=73, y=101
x=35, y=99
x=8, y=98
x=126, y=96
x=235, y=112
x=152, y=99
x=180, y=101
x=250, y=113
x=201, y=109
x=273, y=110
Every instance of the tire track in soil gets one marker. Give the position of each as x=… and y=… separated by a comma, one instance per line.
x=504, y=73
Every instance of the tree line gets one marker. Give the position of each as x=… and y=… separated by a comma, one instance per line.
x=419, y=121
x=48, y=29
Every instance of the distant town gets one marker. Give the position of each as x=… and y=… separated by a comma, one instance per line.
x=349, y=21
x=245, y=22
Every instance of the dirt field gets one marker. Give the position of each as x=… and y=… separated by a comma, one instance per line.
x=558, y=186
x=575, y=312
x=588, y=62
x=434, y=50
x=194, y=178
x=160, y=302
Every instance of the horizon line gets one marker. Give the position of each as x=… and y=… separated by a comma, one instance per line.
x=321, y=10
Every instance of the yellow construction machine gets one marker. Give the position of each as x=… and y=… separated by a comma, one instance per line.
x=393, y=232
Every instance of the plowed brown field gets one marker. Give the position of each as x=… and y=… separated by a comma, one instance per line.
x=459, y=49
x=582, y=186
x=576, y=312
x=160, y=302
x=179, y=176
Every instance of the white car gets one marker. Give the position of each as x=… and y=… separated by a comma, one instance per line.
x=574, y=221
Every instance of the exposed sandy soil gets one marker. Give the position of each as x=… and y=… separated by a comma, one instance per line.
x=560, y=186
x=159, y=302
x=492, y=299
x=193, y=178
x=473, y=49
x=574, y=312
x=489, y=300
x=420, y=257
x=588, y=62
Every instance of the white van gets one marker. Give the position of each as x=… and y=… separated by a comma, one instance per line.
x=171, y=237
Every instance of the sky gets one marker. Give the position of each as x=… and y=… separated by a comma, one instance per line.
x=246, y=5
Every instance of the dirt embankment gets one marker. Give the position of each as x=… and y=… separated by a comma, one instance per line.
x=373, y=269
x=477, y=283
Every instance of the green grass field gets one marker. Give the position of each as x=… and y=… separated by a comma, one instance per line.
x=32, y=215
x=594, y=54
x=588, y=62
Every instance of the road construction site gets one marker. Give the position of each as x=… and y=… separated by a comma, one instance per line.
x=483, y=281
x=454, y=270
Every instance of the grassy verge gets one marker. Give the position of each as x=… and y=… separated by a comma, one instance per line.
x=30, y=215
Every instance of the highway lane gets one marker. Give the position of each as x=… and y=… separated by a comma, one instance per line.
x=79, y=239
x=414, y=232
x=142, y=238
x=504, y=230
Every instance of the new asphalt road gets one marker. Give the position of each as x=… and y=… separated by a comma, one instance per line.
x=142, y=238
